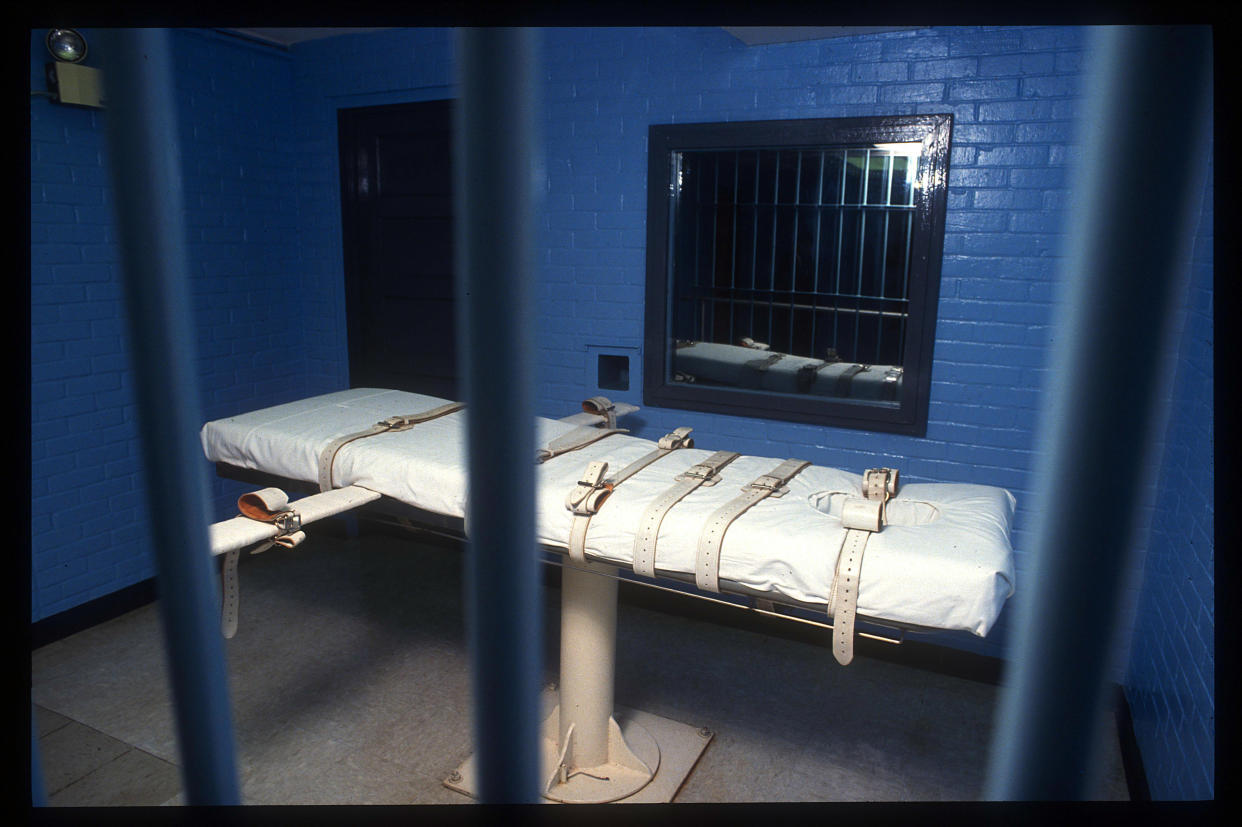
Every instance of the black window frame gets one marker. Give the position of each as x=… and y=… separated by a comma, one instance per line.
x=909, y=415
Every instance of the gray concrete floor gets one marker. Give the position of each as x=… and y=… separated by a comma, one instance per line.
x=350, y=685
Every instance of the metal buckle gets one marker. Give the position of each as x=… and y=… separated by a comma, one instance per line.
x=288, y=522
x=768, y=483
x=699, y=472
x=704, y=473
x=581, y=500
x=677, y=439
x=879, y=483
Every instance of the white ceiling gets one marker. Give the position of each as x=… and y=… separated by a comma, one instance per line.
x=750, y=35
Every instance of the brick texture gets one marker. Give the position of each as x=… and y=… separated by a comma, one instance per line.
x=89, y=510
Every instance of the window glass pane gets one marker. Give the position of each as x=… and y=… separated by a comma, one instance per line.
x=833, y=190
x=897, y=254
x=806, y=224
x=904, y=166
x=855, y=164
x=878, y=164
x=787, y=176
x=809, y=176
x=807, y=251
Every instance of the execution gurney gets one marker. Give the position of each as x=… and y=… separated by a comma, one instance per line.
x=919, y=556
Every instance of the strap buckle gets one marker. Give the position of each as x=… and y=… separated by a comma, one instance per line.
x=679, y=438
x=702, y=471
x=590, y=492
x=707, y=472
x=767, y=482
x=288, y=522
x=879, y=483
x=395, y=422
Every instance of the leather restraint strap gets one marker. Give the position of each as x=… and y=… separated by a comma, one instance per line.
x=602, y=407
x=772, y=484
x=806, y=374
x=842, y=387
x=705, y=473
x=861, y=517
x=587, y=497
x=579, y=437
x=392, y=423
x=271, y=505
x=752, y=371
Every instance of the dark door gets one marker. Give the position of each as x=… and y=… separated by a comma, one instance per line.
x=397, y=223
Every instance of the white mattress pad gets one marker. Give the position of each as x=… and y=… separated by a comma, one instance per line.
x=943, y=560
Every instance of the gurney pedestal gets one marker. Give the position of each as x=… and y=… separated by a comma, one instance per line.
x=588, y=755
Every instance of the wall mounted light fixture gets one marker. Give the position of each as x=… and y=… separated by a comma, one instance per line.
x=67, y=80
x=66, y=45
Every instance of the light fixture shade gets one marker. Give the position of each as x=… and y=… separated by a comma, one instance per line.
x=66, y=45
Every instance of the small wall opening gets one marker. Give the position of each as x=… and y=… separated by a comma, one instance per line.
x=613, y=372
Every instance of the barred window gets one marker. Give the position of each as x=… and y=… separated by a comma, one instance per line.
x=793, y=268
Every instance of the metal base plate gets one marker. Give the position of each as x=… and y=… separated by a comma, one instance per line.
x=680, y=746
x=633, y=761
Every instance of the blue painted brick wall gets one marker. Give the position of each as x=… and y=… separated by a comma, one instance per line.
x=88, y=505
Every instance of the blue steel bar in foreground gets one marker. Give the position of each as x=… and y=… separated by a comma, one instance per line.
x=1145, y=147
x=144, y=156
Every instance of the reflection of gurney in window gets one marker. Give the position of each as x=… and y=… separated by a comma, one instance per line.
x=911, y=556
x=752, y=365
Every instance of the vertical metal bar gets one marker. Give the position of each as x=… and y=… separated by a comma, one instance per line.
x=883, y=304
x=776, y=198
x=715, y=219
x=793, y=253
x=840, y=245
x=496, y=163
x=146, y=179
x=704, y=301
x=754, y=247
x=733, y=253
x=862, y=251
x=819, y=220
x=1148, y=106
